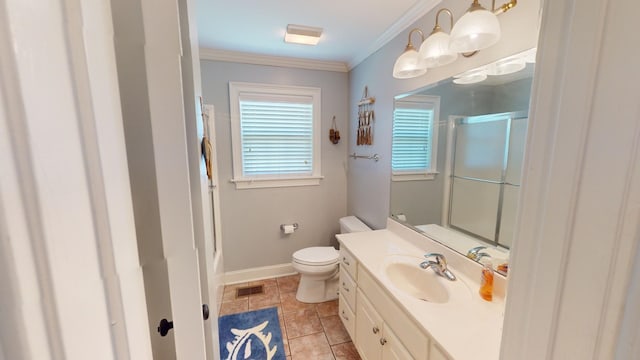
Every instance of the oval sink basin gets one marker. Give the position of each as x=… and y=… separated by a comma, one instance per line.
x=419, y=283
x=405, y=274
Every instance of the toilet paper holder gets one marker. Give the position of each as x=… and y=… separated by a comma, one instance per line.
x=295, y=226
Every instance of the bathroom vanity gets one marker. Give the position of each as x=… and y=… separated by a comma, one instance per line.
x=394, y=309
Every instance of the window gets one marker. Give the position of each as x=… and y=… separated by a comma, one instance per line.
x=415, y=138
x=275, y=135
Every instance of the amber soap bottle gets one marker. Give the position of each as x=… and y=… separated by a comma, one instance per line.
x=486, y=282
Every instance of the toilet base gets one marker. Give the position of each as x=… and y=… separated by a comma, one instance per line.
x=316, y=289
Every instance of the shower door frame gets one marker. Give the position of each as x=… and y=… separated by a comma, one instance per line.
x=452, y=131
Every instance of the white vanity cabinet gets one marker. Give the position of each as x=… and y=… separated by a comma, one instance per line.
x=379, y=328
x=375, y=340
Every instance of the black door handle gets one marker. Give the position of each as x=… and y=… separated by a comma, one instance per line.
x=165, y=326
x=205, y=312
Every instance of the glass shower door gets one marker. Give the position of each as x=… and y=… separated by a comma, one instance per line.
x=485, y=175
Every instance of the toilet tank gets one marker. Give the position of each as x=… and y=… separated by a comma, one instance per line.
x=351, y=224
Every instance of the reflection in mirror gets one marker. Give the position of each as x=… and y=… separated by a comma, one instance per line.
x=456, y=168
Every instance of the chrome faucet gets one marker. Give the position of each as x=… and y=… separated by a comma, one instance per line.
x=475, y=254
x=439, y=265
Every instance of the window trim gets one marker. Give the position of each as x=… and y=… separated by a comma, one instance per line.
x=428, y=174
x=239, y=89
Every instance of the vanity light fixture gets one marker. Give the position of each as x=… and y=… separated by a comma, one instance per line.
x=507, y=66
x=477, y=29
x=471, y=77
x=409, y=64
x=435, y=49
x=305, y=35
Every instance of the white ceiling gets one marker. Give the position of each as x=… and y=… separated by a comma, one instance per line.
x=353, y=29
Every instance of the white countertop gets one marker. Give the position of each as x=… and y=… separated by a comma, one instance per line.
x=467, y=328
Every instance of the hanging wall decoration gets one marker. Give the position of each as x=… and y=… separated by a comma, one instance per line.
x=365, y=119
x=207, y=148
x=334, y=134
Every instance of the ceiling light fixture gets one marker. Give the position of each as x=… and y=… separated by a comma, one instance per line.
x=477, y=29
x=305, y=35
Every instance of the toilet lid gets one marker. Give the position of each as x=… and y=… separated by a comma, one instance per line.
x=317, y=255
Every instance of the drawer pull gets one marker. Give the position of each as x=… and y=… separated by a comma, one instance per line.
x=344, y=260
x=345, y=316
x=344, y=286
x=383, y=341
x=376, y=330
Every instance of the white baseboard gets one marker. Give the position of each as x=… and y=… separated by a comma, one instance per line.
x=259, y=273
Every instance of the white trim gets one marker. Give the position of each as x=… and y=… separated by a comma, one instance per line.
x=270, y=60
x=451, y=124
x=578, y=227
x=413, y=176
x=416, y=12
x=242, y=184
x=259, y=273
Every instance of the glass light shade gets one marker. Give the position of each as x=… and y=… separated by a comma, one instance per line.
x=471, y=77
x=506, y=66
x=408, y=65
x=435, y=52
x=476, y=30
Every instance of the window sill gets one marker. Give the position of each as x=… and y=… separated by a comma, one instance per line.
x=413, y=176
x=242, y=184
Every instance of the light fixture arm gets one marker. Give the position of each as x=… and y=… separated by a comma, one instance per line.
x=409, y=44
x=437, y=28
x=504, y=7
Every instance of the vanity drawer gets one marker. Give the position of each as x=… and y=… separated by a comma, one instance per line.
x=348, y=263
x=347, y=316
x=348, y=288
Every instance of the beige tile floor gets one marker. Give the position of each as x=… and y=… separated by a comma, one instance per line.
x=309, y=331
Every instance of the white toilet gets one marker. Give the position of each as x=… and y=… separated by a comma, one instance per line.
x=319, y=266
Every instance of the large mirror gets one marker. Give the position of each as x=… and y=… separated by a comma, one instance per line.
x=457, y=157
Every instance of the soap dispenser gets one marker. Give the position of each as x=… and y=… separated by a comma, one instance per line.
x=486, y=282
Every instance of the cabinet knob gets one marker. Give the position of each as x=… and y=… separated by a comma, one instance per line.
x=344, y=286
x=345, y=316
x=344, y=260
x=383, y=341
x=376, y=330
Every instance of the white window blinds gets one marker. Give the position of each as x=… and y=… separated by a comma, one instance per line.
x=275, y=133
x=277, y=137
x=414, y=135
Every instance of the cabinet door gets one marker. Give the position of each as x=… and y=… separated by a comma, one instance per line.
x=369, y=327
x=392, y=348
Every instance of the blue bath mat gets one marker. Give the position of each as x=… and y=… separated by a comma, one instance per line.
x=253, y=335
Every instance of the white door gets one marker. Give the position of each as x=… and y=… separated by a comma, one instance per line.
x=69, y=270
x=154, y=74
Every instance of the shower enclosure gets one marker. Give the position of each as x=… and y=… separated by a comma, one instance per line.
x=485, y=169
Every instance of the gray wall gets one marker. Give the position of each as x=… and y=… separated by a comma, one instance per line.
x=251, y=218
x=370, y=182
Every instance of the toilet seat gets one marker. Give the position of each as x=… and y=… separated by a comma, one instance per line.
x=316, y=256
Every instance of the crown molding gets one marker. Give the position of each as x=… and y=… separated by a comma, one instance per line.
x=269, y=60
x=417, y=11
